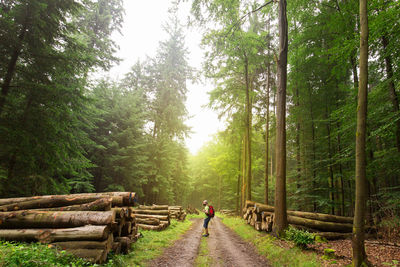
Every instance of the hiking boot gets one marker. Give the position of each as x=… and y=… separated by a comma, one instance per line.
x=206, y=235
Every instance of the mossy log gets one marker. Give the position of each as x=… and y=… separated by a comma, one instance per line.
x=127, y=198
x=54, y=219
x=87, y=232
x=152, y=227
x=321, y=225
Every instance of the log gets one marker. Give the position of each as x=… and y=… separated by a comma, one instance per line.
x=151, y=227
x=154, y=207
x=128, y=198
x=125, y=244
x=54, y=219
x=106, y=244
x=151, y=212
x=87, y=232
x=249, y=204
x=148, y=221
x=334, y=236
x=102, y=204
x=144, y=216
x=126, y=229
x=320, y=225
x=92, y=255
x=308, y=215
x=116, y=247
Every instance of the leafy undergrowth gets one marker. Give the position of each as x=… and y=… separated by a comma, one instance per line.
x=152, y=244
x=270, y=247
x=14, y=254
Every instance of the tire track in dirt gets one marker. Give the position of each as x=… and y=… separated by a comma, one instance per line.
x=184, y=251
x=228, y=249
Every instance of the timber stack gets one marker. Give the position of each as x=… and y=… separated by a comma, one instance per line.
x=261, y=217
x=191, y=210
x=177, y=212
x=154, y=217
x=88, y=225
x=228, y=212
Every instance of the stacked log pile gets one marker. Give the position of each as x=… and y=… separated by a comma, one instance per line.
x=228, y=212
x=192, y=210
x=261, y=216
x=177, y=212
x=155, y=217
x=87, y=225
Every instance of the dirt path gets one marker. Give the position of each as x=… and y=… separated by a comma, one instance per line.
x=184, y=251
x=228, y=249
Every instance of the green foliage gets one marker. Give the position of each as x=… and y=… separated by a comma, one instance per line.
x=299, y=237
x=35, y=255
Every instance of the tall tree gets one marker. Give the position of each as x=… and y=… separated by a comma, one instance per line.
x=359, y=255
x=280, y=218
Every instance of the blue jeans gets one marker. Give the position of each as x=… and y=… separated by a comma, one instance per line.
x=206, y=221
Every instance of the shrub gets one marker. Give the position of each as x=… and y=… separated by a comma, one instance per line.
x=299, y=237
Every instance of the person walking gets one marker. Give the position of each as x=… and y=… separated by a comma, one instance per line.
x=209, y=212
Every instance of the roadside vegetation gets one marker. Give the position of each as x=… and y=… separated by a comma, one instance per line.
x=266, y=246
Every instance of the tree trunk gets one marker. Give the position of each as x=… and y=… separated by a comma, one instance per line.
x=154, y=207
x=106, y=244
x=5, y=87
x=151, y=227
x=144, y=216
x=248, y=131
x=359, y=255
x=267, y=139
x=87, y=232
x=280, y=223
x=149, y=221
x=54, y=219
x=238, y=204
x=92, y=255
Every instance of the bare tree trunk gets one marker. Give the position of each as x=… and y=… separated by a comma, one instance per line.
x=267, y=139
x=248, y=131
x=330, y=167
x=314, y=182
x=359, y=255
x=280, y=218
x=238, y=210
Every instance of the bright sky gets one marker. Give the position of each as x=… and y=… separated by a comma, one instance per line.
x=142, y=31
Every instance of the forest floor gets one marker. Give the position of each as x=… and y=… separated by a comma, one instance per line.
x=225, y=248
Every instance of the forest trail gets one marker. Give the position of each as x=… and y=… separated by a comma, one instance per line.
x=226, y=248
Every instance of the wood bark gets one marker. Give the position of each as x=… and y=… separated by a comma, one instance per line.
x=144, y=216
x=102, y=204
x=280, y=223
x=87, y=232
x=151, y=227
x=150, y=221
x=54, y=219
x=308, y=215
x=359, y=255
x=151, y=212
x=266, y=196
x=119, y=198
x=154, y=207
x=106, y=244
x=321, y=225
x=248, y=130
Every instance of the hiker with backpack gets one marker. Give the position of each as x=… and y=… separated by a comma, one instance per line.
x=209, y=212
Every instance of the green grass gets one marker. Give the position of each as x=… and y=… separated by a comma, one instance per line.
x=264, y=243
x=14, y=254
x=152, y=244
x=203, y=259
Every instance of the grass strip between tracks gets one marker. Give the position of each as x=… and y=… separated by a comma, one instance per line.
x=264, y=243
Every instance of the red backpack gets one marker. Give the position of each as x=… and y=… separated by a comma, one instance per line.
x=211, y=211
